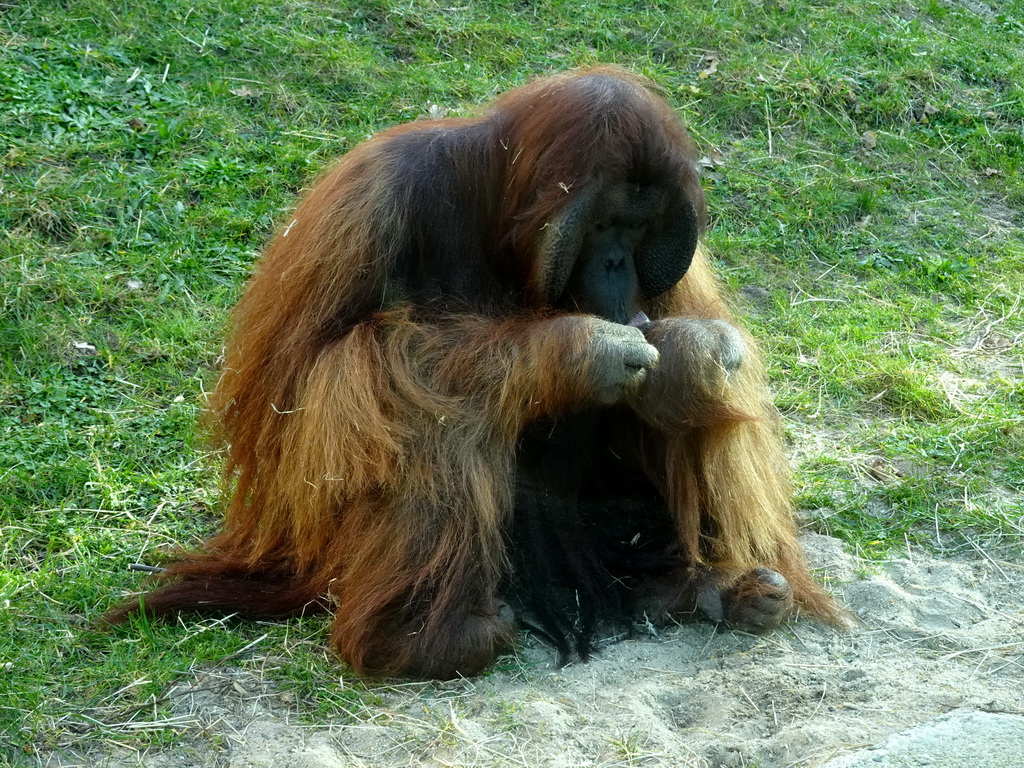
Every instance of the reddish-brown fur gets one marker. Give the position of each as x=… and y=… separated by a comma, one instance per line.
x=372, y=402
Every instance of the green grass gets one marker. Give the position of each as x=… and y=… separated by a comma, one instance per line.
x=864, y=157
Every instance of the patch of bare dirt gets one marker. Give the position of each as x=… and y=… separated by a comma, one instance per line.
x=938, y=637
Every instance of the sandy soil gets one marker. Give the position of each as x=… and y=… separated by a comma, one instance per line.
x=938, y=637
